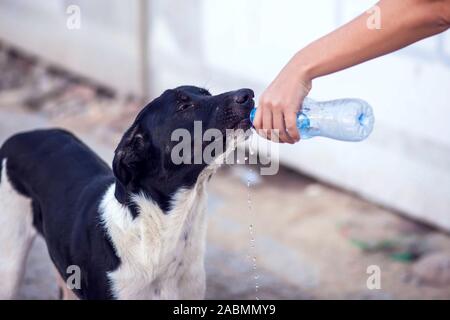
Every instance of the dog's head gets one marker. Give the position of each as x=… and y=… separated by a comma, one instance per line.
x=144, y=160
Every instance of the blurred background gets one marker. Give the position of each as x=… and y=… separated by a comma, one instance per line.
x=333, y=210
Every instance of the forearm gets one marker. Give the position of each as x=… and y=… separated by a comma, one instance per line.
x=402, y=22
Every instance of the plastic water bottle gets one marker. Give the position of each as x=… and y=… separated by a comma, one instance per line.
x=342, y=119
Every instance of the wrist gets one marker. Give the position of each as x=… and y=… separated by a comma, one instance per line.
x=305, y=68
x=301, y=74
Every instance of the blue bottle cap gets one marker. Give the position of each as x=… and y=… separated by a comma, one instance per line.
x=252, y=114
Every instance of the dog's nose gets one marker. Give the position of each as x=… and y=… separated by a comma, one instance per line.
x=243, y=95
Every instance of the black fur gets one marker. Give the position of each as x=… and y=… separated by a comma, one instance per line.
x=66, y=180
x=142, y=161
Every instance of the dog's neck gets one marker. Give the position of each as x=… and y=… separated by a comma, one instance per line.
x=154, y=239
x=160, y=188
x=157, y=249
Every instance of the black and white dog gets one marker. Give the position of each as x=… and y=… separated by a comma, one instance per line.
x=136, y=231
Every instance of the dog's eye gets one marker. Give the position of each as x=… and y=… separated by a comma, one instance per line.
x=184, y=98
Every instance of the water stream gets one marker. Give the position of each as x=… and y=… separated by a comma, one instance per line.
x=252, y=250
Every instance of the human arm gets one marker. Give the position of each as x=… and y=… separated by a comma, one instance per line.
x=402, y=22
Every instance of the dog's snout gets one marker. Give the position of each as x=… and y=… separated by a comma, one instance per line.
x=243, y=95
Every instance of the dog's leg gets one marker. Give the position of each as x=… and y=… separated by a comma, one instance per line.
x=16, y=235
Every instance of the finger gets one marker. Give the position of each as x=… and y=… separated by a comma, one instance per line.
x=267, y=123
x=259, y=125
x=257, y=122
x=278, y=123
x=291, y=126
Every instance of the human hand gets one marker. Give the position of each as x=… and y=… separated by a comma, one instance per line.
x=276, y=116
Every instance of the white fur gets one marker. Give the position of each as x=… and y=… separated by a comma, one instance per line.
x=16, y=236
x=157, y=262
x=152, y=246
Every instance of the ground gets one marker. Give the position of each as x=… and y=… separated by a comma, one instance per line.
x=311, y=240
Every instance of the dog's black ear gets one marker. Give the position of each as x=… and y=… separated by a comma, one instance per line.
x=130, y=157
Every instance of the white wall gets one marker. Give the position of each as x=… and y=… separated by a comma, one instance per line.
x=223, y=45
x=405, y=164
x=105, y=48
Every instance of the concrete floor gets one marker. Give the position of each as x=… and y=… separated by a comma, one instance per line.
x=311, y=240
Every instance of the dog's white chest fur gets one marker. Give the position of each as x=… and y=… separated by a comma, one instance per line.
x=161, y=254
